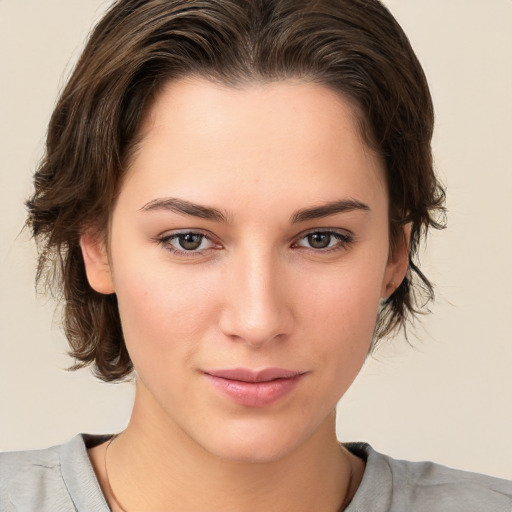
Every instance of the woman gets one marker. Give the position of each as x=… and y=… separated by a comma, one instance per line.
x=236, y=192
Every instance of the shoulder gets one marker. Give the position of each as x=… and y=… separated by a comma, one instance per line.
x=42, y=480
x=426, y=486
x=28, y=477
x=449, y=489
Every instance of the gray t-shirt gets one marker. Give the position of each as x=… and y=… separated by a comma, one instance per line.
x=61, y=479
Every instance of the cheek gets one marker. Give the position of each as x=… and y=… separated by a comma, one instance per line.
x=345, y=300
x=163, y=313
x=342, y=325
x=338, y=317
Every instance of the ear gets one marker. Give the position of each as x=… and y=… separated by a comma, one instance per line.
x=398, y=263
x=97, y=265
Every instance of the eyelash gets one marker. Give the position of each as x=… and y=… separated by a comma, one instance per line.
x=345, y=240
x=167, y=239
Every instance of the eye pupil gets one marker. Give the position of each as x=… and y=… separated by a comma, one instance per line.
x=190, y=241
x=319, y=240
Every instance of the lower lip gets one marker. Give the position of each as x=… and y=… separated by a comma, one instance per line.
x=254, y=394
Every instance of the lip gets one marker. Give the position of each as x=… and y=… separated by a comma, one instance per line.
x=252, y=388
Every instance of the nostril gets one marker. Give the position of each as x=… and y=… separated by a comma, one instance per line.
x=255, y=330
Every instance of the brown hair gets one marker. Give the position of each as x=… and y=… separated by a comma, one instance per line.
x=353, y=46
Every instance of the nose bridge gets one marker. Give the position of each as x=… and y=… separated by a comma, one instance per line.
x=256, y=310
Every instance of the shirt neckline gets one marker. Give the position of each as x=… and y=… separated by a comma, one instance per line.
x=79, y=475
x=373, y=493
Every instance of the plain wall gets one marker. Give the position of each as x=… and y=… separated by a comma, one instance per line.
x=447, y=399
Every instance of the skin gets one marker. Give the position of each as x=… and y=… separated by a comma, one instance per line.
x=257, y=294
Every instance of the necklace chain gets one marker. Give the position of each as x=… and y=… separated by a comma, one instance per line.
x=114, y=498
x=110, y=490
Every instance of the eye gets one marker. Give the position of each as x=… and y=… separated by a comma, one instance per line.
x=324, y=240
x=189, y=242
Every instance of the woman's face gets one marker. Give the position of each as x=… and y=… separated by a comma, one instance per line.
x=248, y=252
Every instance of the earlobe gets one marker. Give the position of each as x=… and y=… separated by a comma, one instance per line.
x=398, y=264
x=97, y=265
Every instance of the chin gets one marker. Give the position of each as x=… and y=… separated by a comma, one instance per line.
x=243, y=443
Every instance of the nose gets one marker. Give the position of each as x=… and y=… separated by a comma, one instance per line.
x=256, y=310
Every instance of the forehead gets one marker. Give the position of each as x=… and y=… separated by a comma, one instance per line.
x=203, y=139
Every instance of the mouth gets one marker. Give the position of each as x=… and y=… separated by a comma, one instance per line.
x=254, y=388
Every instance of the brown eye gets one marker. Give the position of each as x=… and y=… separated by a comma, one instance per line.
x=319, y=240
x=325, y=241
x=190, y=241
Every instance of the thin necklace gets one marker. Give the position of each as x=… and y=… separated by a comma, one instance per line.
x=346, y=500
x=110, y=490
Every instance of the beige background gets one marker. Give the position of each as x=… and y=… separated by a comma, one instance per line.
x=450, y=398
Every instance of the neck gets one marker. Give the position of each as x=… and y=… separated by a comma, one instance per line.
x=154, y=465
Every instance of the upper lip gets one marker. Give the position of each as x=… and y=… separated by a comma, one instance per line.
x=248, y=375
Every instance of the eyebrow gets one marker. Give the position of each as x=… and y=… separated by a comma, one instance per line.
x=331, y=208
x=183, y=207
